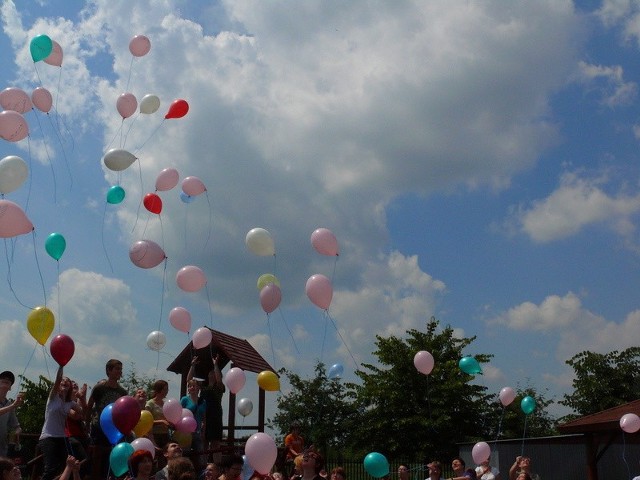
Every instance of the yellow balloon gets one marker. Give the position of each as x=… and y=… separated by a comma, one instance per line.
x=40, y=324
x=182, y=438
x=268, y=381
x=144, y=424
x=266, y=279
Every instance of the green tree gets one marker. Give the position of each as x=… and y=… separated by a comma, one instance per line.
x=323, y=407
x=31, y=412
x=132, y=380
x=405, y=414
x=603, y=380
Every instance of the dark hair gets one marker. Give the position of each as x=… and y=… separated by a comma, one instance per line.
x=339, y=471
x=159, y=385
x=460, y=460
x=111, y=364
x=180, y=468
x=231, y=460
x=471, y=473
x=526, y=475
x=318, y=458
x=137, y=457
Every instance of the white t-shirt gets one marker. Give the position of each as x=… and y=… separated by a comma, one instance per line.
x=490, y=475
x=55, y=417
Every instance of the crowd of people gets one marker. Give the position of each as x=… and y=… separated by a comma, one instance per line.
x=65, y=442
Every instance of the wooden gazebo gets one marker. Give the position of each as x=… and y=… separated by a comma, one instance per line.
x=230, y=350
x=600, y=430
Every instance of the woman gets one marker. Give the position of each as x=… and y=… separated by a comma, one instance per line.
x=181, y=468
x=212, y=395
x=75, y=429
x=338, y=473
x=52, y=442
x=197, y=406
x=211, y=471
x=160, y=429
x=9, y=470
x=141, y=464
x=311, y=465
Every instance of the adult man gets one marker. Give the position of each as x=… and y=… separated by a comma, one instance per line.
x=105, y=392
x=8, y=418
x=169, y=451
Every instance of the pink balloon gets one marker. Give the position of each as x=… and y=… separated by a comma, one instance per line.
x=167, y=179
x=630, y=422
x=261, y=452
x=127, y=105
x=480, y=452
x=201, y=338
x=144, y=443
x=193, y=186
x=235, y=379
x=270, y=297
x=507, y=396
x=13, y=126
x=423, y=362
x=172, y=410
x=186, y=424
x=180, y=318
x=187, y=413
x=319, y=291
x=42, y=99
x=146, y=254
x=190, y=278
x=139, y=46
x=15, y=99
x=13, y=220
x=55, y=57
x=324, y=241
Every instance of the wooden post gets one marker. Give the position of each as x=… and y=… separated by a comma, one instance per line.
x=231, y=435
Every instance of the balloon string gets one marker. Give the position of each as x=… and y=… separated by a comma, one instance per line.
x=164, y=282
x=126, y=89
x=15, y=295
x=114, y=137
x=27, y=366
x=150, y=136
x=46, y=363
x=186, y=217
x=343, y=342
x=324, y=336
x=55, y=107
x=273, y=352
x=35, y=254
x=524, y=434
x=141, y=199
x=206, y=288
x=333, y=274
x=26, y=204
x=121, y=130
x=53, y=172
x=104, y=246
x=210, y=220
x=58, y=295
x=499, y=428
x=624, y=458
x=126, y=135
x=289, y=330
x=64, y=153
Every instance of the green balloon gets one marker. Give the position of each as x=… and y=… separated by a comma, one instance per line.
x=469, y=365
x=55, y=245
x=528, y=405
x=115, y=195
x=41, y=47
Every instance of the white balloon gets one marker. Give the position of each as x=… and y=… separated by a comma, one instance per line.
x=245, y=407
x=156, y=340
x=259, y=241
x=13, y=173
x=118, y=159
x=149, y=104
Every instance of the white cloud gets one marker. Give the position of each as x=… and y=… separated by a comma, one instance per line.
x=577, y=203
x=616, y=91
x=553, y=313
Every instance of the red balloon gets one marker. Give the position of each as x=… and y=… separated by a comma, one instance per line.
x=177, y=109
x=125, y=414
x=62, y=349
x=153, y=203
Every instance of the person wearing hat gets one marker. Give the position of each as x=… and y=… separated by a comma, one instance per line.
x=8, y=419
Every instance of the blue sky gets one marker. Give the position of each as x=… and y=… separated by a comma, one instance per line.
x=476, y=162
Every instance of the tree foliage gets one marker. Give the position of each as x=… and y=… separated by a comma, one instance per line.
x=31, y=412
x=132, y=380
x=406, y=414
x=603, y=380
x=323, y=408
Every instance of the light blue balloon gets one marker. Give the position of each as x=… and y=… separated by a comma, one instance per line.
x=376, y=465
x=115, y=195
x=528, y=405
x=186, y=198
x=470, y=366
x=336, y=371
x=40, y=47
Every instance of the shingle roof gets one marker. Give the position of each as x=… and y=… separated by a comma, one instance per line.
x=606, y=420
x=229, y=348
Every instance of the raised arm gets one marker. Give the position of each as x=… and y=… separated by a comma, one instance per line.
x=514, y=468
x=56, y=383
x=13, y=405
x=215, y=376
x=192, y=368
